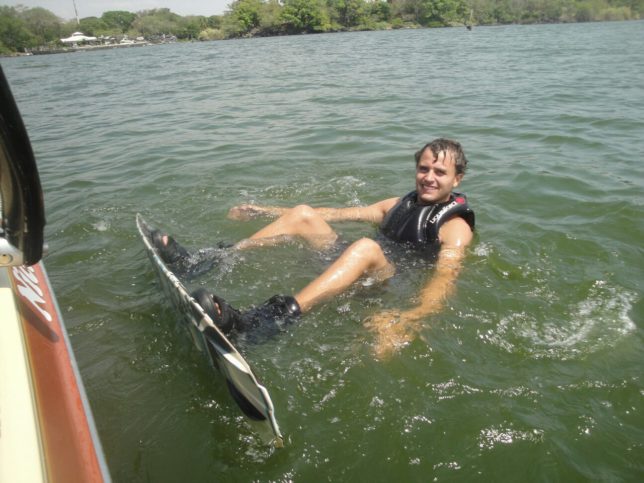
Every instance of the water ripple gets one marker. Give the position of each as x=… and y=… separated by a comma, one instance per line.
x=535, y=361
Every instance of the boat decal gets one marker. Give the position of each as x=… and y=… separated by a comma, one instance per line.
x=27, y=284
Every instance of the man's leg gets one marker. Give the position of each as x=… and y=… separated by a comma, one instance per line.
x=301, y=221
x=364, y=257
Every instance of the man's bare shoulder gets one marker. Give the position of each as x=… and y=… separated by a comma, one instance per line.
x=455, y=232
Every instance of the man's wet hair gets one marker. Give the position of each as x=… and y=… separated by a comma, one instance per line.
x=442, y=144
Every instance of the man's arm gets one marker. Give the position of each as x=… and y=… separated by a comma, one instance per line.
x=373, y=213
x=395, y=329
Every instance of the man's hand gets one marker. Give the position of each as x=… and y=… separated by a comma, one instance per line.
x=248, y=212
x=393, y=330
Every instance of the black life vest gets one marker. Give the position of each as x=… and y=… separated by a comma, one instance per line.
x=418, y=224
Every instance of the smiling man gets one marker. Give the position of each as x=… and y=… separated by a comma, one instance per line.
x=432, y=219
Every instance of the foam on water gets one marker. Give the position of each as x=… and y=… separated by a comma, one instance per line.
x=493, y=436
x=596, y=323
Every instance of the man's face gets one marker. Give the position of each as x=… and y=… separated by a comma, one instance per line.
x=436, y=177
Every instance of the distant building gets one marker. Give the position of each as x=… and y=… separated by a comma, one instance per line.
x=78, y=38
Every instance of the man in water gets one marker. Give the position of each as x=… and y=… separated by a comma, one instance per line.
x=431, y=217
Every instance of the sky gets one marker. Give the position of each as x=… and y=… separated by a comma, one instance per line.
x=95, y=8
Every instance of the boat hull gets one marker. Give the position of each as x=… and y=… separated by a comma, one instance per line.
x=48, y=428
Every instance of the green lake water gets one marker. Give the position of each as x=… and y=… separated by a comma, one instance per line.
x=534, y=369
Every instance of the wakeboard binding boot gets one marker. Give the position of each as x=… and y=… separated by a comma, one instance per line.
x=183, y=262
x=169, y=249
x=260, y=321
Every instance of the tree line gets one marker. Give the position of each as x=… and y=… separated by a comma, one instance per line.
x=23, y=28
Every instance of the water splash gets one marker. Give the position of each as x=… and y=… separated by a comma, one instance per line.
x=493, y=436
x=598, y=322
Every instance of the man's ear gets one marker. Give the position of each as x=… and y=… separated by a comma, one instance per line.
x=457, y=180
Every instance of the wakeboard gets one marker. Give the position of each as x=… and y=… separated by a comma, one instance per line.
x=251, y=397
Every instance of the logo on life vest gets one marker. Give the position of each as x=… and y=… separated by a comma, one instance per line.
x=444, y=210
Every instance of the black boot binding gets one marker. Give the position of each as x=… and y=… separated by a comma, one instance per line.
x=255, y=324
x=181, y=261
x=171, y=251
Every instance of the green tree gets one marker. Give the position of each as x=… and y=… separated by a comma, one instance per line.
x=214, y=21
x=243, y=17
x=380, y=10
x=305, y=16
x=92, y=26
x=14, y=34
x=441, y=13
x=270, y=22
x=211, y=34
x=154, y=22
x=44, y=25
x=503, y=12
x=191, y=26
x=348, y=13
x=408, y=11
x=119, y=20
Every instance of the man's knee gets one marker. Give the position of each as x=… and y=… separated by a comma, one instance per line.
x=373, y=258
x=308, y=222
x=366, y=245
x=367, y=249
x=303, y=213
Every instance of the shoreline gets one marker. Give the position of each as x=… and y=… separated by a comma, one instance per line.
x=67, y=50
x=63, y=50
